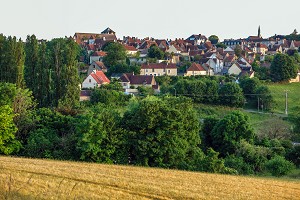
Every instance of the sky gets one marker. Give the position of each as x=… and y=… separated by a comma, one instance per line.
x=160, y=19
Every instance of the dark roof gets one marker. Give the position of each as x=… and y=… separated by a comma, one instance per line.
x=158, y=66
x=137, y=79
x=85, y=93
x=108, y=31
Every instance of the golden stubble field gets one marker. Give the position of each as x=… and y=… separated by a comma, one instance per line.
x=46, y=179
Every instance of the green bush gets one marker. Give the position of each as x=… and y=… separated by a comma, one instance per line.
x=279, y=166
x=238, y=164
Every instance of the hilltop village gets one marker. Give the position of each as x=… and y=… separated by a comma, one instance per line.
x=196, y=55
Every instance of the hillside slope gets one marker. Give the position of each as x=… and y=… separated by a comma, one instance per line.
x=45, y=179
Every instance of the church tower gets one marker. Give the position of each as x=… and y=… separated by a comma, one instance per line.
x=259, y=35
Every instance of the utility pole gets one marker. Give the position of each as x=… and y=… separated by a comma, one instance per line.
x=286, y=102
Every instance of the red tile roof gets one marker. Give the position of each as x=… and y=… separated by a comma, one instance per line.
x=196, y=67
x=130, y=48
x=158, y=66
x=100, y=77
x=99, y=53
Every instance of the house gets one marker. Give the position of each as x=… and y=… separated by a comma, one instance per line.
x=232, y=43
x=196, y=69
x=261, y=48
x=131, y=82
x=229, y=60
x=240, y=70
x=130, y=50
x=275, y=49
x=229, y=50
x=234, y=69
x=215, y=64
x=91, y=38
x=98, y=66
x=108, y=31
x=95, y=79
x=159, y=69
x=97, y=56
x=197, y=39
x=85, y=95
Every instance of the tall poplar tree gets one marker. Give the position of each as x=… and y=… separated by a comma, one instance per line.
x=31, y=63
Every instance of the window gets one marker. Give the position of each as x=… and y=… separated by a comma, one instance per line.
x=164, y=69
x=94, y=66
x=90, y=80
x=169, y=71
x=153, y=70
x=146, y=70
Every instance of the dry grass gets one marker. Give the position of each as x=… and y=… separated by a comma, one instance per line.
x=45, y=179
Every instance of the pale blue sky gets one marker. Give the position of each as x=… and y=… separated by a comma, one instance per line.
x=157, y=18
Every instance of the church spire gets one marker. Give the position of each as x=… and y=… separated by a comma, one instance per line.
x=259, y=35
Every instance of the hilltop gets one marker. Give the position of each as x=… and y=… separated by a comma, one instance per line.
x=44, y=179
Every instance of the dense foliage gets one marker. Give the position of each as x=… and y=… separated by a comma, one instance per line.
x=283, y=68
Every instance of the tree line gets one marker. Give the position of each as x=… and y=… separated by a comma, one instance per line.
x=48, y=69
x=151, y=131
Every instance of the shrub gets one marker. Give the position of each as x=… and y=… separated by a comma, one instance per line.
x=279, y=166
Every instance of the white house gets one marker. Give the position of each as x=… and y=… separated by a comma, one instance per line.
x=95, y=79
x=195, y=69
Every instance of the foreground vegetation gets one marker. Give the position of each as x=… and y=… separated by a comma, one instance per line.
x=46, y=179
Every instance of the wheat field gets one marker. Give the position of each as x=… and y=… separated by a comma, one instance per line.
x=46, y=179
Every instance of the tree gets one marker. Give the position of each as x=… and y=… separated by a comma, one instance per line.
x=12, y=60
x=206, y=132
x=8, y=143
x=221, y=45
x=108, y=97
x=162, y=133
x=31, y=64
x=155, y=52
x=100, y=135
x=254, y=156
x=214, y=39
x=279, y=166
x=231, y=95
x=283, y=68
x=70, y=98
x=249, y=86
x=275, y=128
x=265, y=96
x=229, y=131
x=116, y=53
x=53, y=136
x=8, y=92
x=238, y=50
